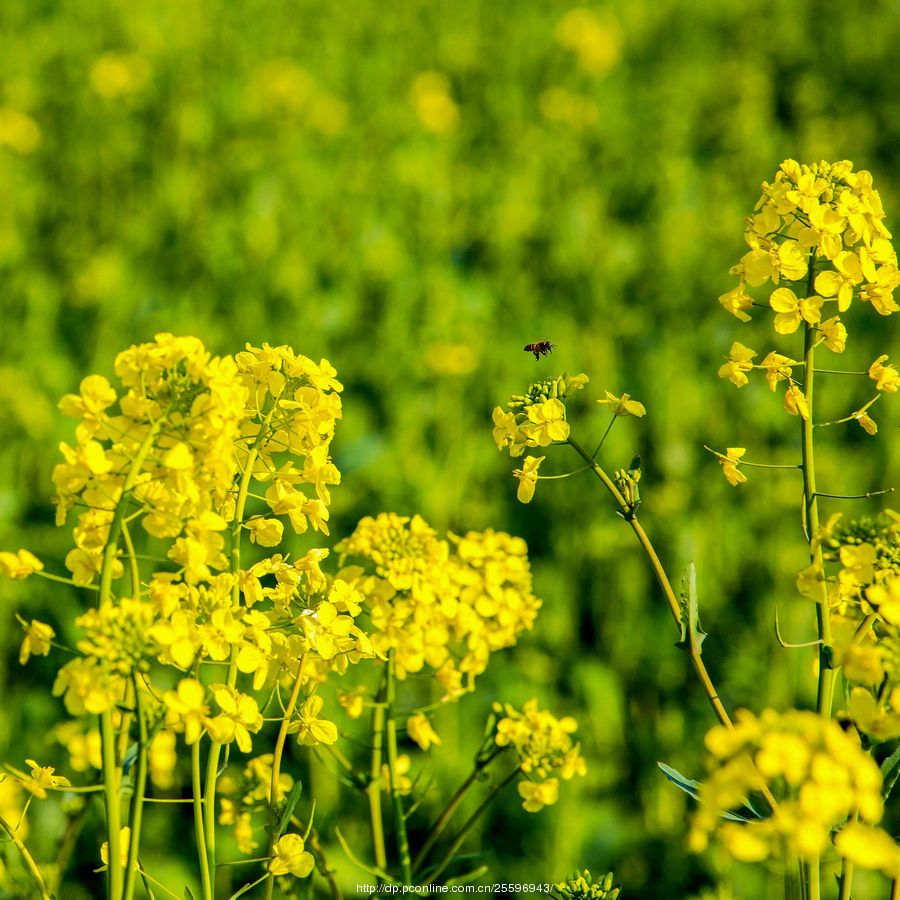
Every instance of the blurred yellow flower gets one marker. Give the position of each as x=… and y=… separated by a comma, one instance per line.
x=38, y=636
x=119, y=74
x=433, y=104
x=19, y=565
x=419, y=729
x=18, y=131
x=595, y=40
x=42, y=779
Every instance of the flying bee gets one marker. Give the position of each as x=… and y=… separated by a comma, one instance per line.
x=539, y=348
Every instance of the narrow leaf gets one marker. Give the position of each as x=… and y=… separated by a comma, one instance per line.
x=692, y=635
x=890, y=771
x=288, y=810
x=692, y=788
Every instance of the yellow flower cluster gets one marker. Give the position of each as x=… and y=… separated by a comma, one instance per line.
x=441, y=604
x=211, y=454
x=819, y=229
x=822, y=223
x=818, y=773
x=545, y=750
x=180, y=445
x=537, y=418
x=864, y=603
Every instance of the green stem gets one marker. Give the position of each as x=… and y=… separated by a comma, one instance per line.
x=113, y=813
x=323, y=867
x=133, y=563
x=374, y=788
x=612, y=422
x=825, y=688
x=468, y=825
x=111, y=772
x=248, y=887
x=27, y=858
x=397, y=800
x=137, y=800
x=212, y=762
x=815, y=890
x=661, y=577
x=846, y=881
x=443, y=819
x=202, y=853
x=276, y=766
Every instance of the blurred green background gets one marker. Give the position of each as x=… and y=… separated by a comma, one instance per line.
x=415, y=191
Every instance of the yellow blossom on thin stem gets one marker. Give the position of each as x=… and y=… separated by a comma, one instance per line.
x=42, y=779
x=792, y=311
x=19, y=565
x=740, y=361
x=886, y=377
x=289, y=857
x=730, y=462
x=624, y=405
x=528, y=476
x=834, y=334
x=737, y=301
x=795, y=402
x=38, y=636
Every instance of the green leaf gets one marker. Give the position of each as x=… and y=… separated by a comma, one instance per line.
x=890, y=771
x=692, y=788
x=466, y=877
x=692, y=635
x=288, y=809
x=189, y=894
x=688, y=785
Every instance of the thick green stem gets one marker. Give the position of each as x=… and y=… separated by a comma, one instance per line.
x=111, y=774
x=276, y=765
x=397, y=800
x=825, y=691
x=846, y=881
x=815, y=890
x=137, y=799
x=374, y=787
x=202, y=853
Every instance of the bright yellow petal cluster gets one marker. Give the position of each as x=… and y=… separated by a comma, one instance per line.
x=538, y=417
x=819, y=775
x=545, y=749
x=441, y=604
x=826, y=216
x=290, y=858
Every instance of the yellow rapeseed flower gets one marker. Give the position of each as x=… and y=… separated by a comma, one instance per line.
x=289, y=857
x=19, y=565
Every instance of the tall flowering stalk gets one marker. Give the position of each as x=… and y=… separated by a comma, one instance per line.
x=784, y=785
x=185, y=482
